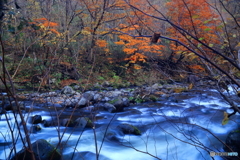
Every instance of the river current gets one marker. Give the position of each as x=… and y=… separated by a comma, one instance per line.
x=182, y=126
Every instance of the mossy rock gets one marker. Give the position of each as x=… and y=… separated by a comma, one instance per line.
x=153, y=98
x=42, y=150
x=129, y=129
x=89, y=122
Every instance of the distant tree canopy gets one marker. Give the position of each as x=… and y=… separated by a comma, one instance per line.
x=179, y=37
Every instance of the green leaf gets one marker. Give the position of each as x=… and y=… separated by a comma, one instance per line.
x=207, y=29
x=202, y=38
x=205, y=22
x=210, y=45
x=195, y=16
x=224, y=121
x=199, y=45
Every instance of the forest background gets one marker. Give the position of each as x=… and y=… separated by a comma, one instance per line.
x=82, y=42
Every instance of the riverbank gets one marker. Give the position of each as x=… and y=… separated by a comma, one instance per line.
x=178, y=116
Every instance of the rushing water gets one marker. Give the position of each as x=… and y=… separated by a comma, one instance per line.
x=183, y=126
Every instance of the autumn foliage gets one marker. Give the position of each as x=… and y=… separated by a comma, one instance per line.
x=198, y=19
x=124, y=36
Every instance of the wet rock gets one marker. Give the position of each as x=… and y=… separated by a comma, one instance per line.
x=46, y=123
x=82, y=102
x=233, y=142
x=68, y=122
x=97, y=97
x=109, y=107
x=120, y=103
x=99, y=106
x=105, y=99
x=88, y=96
x=83, y=122
x=126, y=102
x=42, y=150
x=35, y=129
x=36, y=119
x=129, y=129
x=112, y=136
x=67, y=90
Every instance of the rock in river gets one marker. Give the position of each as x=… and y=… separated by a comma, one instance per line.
x=42, y=150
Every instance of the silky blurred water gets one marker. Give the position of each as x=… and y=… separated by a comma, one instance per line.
x=182, y=129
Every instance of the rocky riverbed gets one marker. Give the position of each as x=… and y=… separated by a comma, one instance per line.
x=150, y=122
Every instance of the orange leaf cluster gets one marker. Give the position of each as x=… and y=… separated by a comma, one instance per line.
x=101, y=43
x=197, y=18
x=49, y=24
x=45, y=23
x=197, y=68
x=136, y=57
x=142, y=45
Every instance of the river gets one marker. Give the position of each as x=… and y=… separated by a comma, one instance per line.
x=182, y=126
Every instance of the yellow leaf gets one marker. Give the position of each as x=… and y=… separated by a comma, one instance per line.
x=182, y=76
x=238, y=45
x=132, y=61
x=85, y=32
x=190, y=86
x=225, y=119
x=73, y=40
x=179, y=90
x=137, y=66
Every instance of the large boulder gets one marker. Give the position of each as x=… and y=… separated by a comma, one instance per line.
x=85, y=99
x=36, y=119
x=42, y=150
